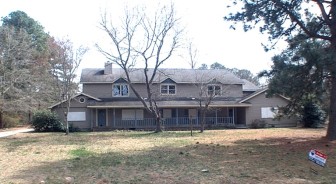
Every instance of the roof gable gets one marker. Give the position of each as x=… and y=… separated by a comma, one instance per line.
x=77, y=95
x=168, y=80
x=261, y=91
x=120, y=80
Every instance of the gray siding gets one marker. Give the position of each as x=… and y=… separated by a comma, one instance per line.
x=76, y=106
x=77, y=124
x=98, y=90
x=182, y=90
x=259, y=101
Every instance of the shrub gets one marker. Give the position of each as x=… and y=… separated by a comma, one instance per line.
x=10, y=121
x=47, y=121
x=313, y=115
x=258, y=123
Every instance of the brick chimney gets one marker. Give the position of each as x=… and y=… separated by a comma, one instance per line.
x=108, y=68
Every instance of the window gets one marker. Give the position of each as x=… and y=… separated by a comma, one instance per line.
x=132, y=114
x=76, y=116
x=214, y=90
x=81, y=99
x=268, y=112
x=120, y=90
x=168, y=89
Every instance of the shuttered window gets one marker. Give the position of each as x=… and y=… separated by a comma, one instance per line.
x=268, y=112
x=132, y=114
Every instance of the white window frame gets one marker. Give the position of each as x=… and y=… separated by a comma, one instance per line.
x=268, y=112
x=168, y=89
x=213, y=90
x=121, y=87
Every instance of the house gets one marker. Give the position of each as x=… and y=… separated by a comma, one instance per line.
x=107, y=101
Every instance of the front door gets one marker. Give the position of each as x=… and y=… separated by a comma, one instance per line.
x=101, y=117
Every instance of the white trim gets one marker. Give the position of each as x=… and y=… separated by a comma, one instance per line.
x=168, y=84
x=120, y=92
x=214, y=89
x=258, y=93
x=80, y=100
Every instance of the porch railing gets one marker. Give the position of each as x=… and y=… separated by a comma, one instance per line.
x=172, y=122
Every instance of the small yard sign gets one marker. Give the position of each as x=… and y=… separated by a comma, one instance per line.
x=317, y=157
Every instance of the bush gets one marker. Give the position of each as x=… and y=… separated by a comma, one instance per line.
x=312, y=116
x=10, y=121
x=258, y=123
x=47, y=121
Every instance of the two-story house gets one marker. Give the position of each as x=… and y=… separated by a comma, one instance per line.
x=108, y=102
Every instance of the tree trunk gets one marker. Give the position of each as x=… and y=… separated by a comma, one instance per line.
x=66, y=123
x=67, y=128
x=331, y=131
x=202, y=121
x=158, y=125
x=1, y=119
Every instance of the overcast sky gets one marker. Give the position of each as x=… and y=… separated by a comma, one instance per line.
x=203, y=21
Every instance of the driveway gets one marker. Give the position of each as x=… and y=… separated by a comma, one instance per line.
x=13, y=132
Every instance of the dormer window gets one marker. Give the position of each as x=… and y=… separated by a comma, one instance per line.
x=120, y=90
x=168, y=89
x=214, y=90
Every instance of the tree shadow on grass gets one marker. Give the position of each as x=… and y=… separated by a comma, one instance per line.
x=270, y=160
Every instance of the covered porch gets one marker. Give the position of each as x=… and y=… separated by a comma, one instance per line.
x=172, y=118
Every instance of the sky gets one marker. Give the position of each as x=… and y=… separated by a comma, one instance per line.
x=203, y=22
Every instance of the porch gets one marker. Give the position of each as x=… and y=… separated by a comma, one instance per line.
x=181, y=122
x=173, y=118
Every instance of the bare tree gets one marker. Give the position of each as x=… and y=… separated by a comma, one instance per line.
x=192, y=53
x=145, y=40
x=207, y=92
x=65, y=62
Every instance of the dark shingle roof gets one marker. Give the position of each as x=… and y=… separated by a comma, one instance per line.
x=177, y=75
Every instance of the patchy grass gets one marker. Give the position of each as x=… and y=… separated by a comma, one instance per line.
x=218, y=156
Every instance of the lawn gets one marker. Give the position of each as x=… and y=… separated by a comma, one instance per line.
x=278, y=155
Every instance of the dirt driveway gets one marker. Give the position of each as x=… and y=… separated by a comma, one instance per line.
x=9, y=132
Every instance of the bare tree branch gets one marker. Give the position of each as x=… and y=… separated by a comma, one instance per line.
x=149, y=40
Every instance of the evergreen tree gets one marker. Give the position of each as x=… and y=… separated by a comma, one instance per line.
x=284, y=19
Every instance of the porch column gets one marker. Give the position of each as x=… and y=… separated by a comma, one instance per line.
x=197, y=117
x=96, y=117
x=114, y=119
x=91, y=118
x=177, y=117
x=107, y=112
x=216, y=116
x=233, y=115
x=135, y=119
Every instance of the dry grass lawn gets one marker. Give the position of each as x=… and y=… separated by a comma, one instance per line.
x=217, y=156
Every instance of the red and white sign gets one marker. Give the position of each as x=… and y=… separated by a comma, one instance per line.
x=317, y=157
